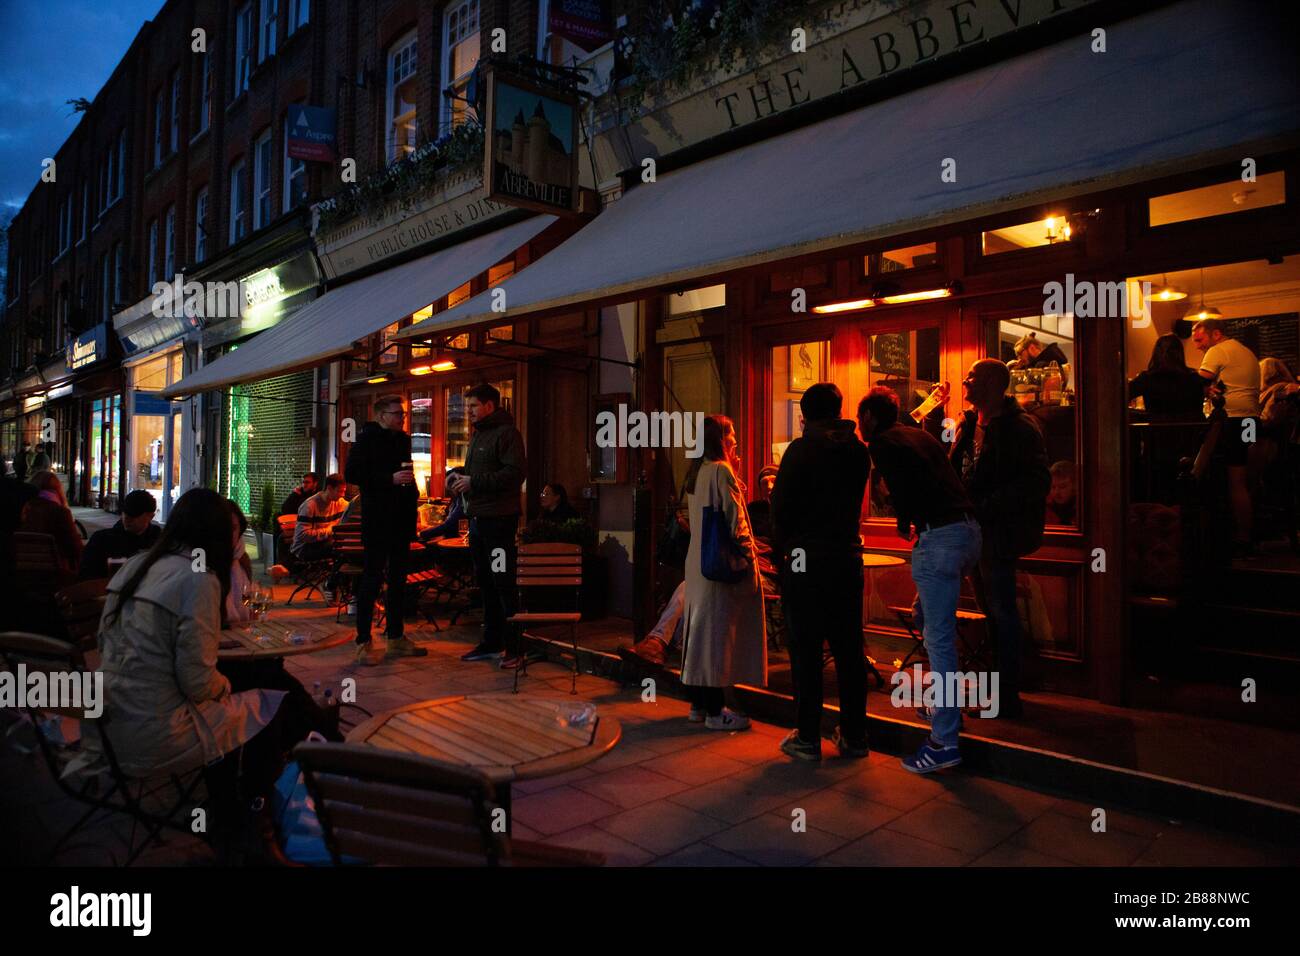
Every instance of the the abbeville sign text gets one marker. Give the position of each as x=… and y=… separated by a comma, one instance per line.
x=858, y=46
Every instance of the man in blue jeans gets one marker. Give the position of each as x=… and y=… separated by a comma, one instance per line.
x=933, y=510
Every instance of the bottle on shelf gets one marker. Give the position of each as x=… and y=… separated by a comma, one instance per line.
x=937, y=397
x=1052, y=384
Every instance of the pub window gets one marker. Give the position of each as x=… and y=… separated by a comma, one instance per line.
x=458, y=425
x=808, y=277
x=500, y=272
x=460, y=50
x=908, y=363
x=1040, y=352
x=421, y=351
x=243, y=48
x=922, y=256
x=238, y=215
x=270, y=14
x=388, y=353
x=1026, y=235
x=403, y=120
x=205, y=94
x=794, y=368
x=458, y=295
x=262, y=181
x=1221, y=199
x=201, y=225
x=459, y=342
x=421, y=428
x=500, y=333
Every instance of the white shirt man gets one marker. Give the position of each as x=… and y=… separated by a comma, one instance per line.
x=1235, y=366
x=317, y=517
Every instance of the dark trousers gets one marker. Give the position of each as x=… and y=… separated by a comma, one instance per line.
x=497, y=586
x=318, y=551
x=995, y=583
x=385, y=559
x=300, y=714
x=707, y=699
x=824, y=603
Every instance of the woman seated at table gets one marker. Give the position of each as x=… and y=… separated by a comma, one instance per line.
x=169, y=708
x=48, y=513
x=234, y=611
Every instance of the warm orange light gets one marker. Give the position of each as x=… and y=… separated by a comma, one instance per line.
x=421, y=370
x=377, y=380
x=853, y=306
x=446, y=365
x=916, y=296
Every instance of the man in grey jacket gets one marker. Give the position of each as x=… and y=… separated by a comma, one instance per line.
x=495, y=468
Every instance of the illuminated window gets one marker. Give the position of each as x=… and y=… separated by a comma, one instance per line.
x=457, y=296
x=795, y=367
x=460, y=49
x=499, y=273
x=457, y=420
x=1220, y=199
x=501, y=333
x=421, y=351
x=403, y=121
x=387, y=355
x=1025, y=235
x=921, y=256
x=459, y=342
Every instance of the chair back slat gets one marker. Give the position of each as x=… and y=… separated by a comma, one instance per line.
x=38, y=653
x=402, y=809
x=544, y=548
x=549, y=581
x=81, y=606
x=35, y=553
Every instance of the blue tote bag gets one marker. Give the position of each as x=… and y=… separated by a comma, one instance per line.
x=721, y=558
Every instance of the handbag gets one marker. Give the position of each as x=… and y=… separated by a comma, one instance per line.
x=721, y=558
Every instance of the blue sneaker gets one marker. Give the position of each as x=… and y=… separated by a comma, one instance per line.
x=931, y=758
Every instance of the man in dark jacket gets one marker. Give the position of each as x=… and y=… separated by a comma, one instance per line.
x=1002, y=460
x=310, y=485
x=933, y=510
x=495, y=468
x=380, y=465
x=133, y=533
x=816, y=510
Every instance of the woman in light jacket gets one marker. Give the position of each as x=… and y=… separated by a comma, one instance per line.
x=169, y=710
x=724, y=641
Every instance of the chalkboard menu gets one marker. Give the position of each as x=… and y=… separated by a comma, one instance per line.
x=1269, y=336
x=890, y=354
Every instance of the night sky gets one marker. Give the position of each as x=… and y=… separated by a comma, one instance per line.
x=52, y=51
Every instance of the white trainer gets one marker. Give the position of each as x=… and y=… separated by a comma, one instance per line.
x=727, y=720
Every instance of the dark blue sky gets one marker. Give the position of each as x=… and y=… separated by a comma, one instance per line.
x=51, y=51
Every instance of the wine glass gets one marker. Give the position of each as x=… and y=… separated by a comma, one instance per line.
x=463, y=528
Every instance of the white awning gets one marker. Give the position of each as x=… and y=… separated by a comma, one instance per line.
x=1179, y=88
x=328, y=326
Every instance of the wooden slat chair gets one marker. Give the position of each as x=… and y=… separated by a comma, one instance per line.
x=348, y=557
x=549, y=565
x=307, y=576
x=970, y=657
x=107, y=788
x=36, y=563
x=81, y=605
x=381, y=807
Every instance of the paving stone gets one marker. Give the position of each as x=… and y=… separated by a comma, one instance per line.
x=1117, y=818
x=839, y=813
x=950, y=825
x=617, y=851
x=1197, y=846
x=769, y=840
x=560, y=809
x=694, y=766
x=995, y=798
x=885, y=847
x=662, y=826
x=1009, y=854
x=894, y=788
x=1072, y=838
x=546, y=783
x=629, y=787
x=702, y=855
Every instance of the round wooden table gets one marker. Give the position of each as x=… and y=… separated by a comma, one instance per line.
x=871, y=560
x=454, y=543
x=238, y=644
x=506, y=736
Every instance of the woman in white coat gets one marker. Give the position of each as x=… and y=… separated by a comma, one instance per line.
x=169, y=709
x=724, y=639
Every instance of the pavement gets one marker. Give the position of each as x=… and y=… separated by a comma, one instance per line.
x=672, y=793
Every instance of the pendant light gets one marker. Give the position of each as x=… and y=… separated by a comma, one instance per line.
x=1203, y=313
x=1167, y=292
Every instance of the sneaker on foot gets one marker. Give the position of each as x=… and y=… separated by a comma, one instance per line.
x=352, y=609
x=511, y=661
x=727, y=720
x=404, y=647
x=931, y=757
x=652, y=650
x=795, y=746
x=368, y=655
x=697, y=715
x=849, y=748
x=483, y=652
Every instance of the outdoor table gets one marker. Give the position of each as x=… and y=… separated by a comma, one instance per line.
x=872, y=561
x=505, y=736
x=278, y=640
x=460, y=572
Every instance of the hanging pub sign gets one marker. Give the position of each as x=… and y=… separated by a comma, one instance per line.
x=531, y=147
x=582, y=22
x=311, y=133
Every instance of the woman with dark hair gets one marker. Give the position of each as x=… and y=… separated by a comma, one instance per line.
x=233, y=610
x=48, y=513
x=555, y=503
x=1168, y=388
x=724, y=638
x=169, y=707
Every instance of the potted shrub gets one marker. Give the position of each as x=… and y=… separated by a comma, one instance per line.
x=266, y=525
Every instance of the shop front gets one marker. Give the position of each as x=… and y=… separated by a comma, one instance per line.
x=95, y=407
x=832, y=253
